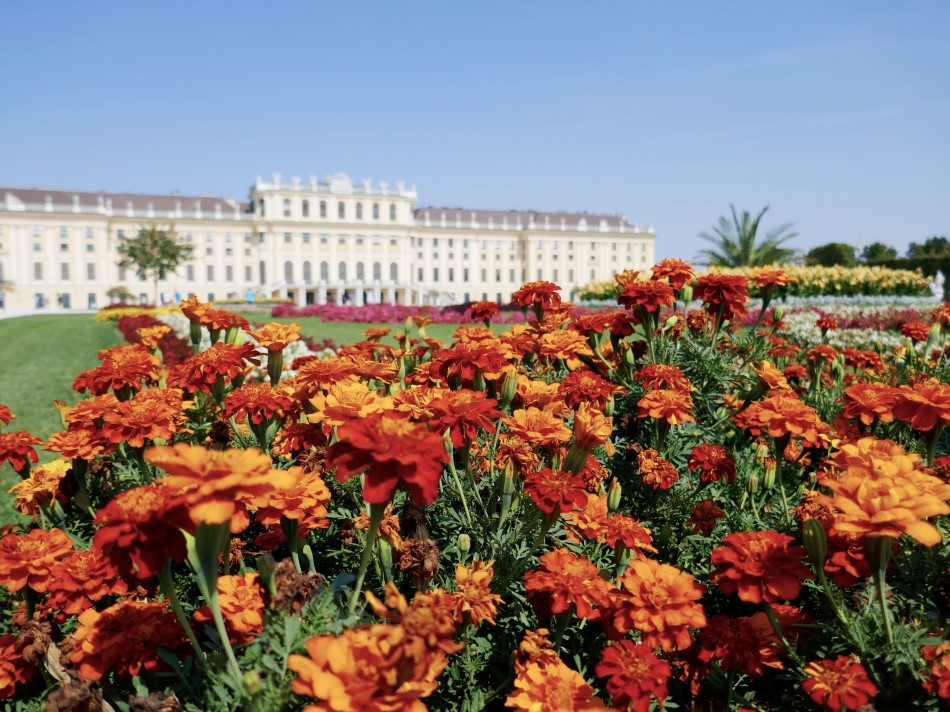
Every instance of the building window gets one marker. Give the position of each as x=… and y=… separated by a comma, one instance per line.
x=323, y=208
x=64, y=247
x=37, y=247
x=36, y=231
x=90, y=233
x=497, y=275
x=229, y=273
x=375, y=211
x=392, y=212
x=360, y=272
x=570, y=276
x=393, y=242
x=360, y=239
x=435, y=242
x=539, y=275
x=554, y=278
x=121, y=274
x=228, y=251
x=288, y=271
x=91, y=300
x=63, y=231
x=210, y=272
x=435, y=274
x=341, y=239
x=511, y=275
x=341, y=210
x=324, y=239
x=394, y=272
x=325, y=271
x=305, y=208
x=37, y=270
x=91, y=271
x=377, y=272
x=420, y=275
x=307, y=274
x=341, y=270
x=262, y=207
x=64, y=270
x=465, y=275
x=189, y=272
x=451, y=274
x=286, y=207
x=306, y=238
x=288, y=238
x=359, y=211
x=90, y=247
x=484, y=274
x=248, y=273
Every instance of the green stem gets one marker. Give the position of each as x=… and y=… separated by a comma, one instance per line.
x=375, y=517
x=879, y=586
x=167, y=586
x=730, y=682
x=455, y=477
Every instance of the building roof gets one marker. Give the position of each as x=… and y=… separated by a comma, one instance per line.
x=524, y=219
x=119, y=204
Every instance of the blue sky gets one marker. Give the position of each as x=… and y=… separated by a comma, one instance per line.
x=837, y=115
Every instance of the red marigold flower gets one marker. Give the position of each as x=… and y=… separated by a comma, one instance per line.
x=869, y=402
x=543, y=294
x=276, y=336
x=16, y=447
x=28, y=559
x=242, y=607
x=124, y=369
x=822, y=353
x=676, y=272
x=202, y=370
x=552, y=687
x=5, y=415
x=660, y=601
x=623, y=531
x=474, y=600
x=760, y=566
x=655, y=471
x=147, y=416
x=661, y=375
x=391, y=450
x=586, y=386
x=674, y=407
x=827, y=322
x=124, y=638
x=14, y=670
x=556, y=491
x=565, y=578
x=839, y=684
x=633, y=673
x=463, y=413
x=745, y=644
x=483, y=311
x=923, y=404
x=937, y=672
x=466, y=359
x=258, y=402
x=81, y=578
x=916, y=331
x=713, y=462
x=140, y=528
x=722, y=294
x=704, y=516
x=649, y=296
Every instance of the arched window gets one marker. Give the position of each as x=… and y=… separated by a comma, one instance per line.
x=307, y=275
x=262, y=207
x=286, y=207
x=393, y=272
x=341, y=210
x=325, y=271
x=375, y=211
x=305, y=207
x=323, y=208
x=377, y=272
x=360, y=271
x=392, y=212
x=359, y=211
x=288, y=271
x=342, y=271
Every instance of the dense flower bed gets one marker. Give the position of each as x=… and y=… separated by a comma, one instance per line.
x=397, y=314
x=815, y=281
x=605, y=511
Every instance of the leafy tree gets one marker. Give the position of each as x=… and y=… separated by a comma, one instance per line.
x=152, y=253
x=877, y=252
x=738, y=245
x=831, y=255
x=120, y=293
x=935, y=246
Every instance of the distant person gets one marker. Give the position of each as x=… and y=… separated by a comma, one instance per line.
x=346, y=298
x=249, y=296
x=177, y=297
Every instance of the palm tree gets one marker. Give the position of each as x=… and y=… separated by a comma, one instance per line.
x=736, y=244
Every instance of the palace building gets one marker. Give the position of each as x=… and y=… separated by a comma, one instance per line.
x=311, y=241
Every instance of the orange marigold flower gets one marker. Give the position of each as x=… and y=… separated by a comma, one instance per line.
x=79, y=443
x=661, y=375
x=41, y=488
x=586, y=386
x=539, y=427
x=563, y=344
x=821, y=353
x=241, y=605
x=516, y=453
x=923, y=404
x=747, y=644
x=147, y=416
x=217, y=320
x=674, y=407
x=883, y=492
x=661, y=602
x=937, y=672
x=827, y=323
x=565, y=578
x=713, y=462
x=303, y=500
x=916, y=331
x=81, y=578
x=768, y=277
x=276, y=336
x=704, y=516
x=124, y=369
x=28, y=559
x=140, y=528
x=760, y=566
x=204, y=369
x=211, y=481
x=124, y=638
x=346, y=401
x=358, y=671
x=294, y=438
x=16, y=447
x=391, y=450
x=151, y=336
x=259, y=402
x=592, y=428
x=483, y=311
x=655, y=471
x=839, y=684
x=14, y=670
x=544, y=294
x=590, y=520
x=626, y=532
x=869, y=402
x=463, y=413
x=428, y=623
x=770, y=379
x=649, y=296
x=676, y=272
x=782, y=414
x=633, y=673
x=555, y=491
x=474, y=600
x=722, y=294
x=467, y=359
x=553, y=687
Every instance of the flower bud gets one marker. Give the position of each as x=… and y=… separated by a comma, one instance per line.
x=613, y=496
x=385, y=555
x=252, y=682
x=877, y=551
x=771, y=466
x=816, y=541
x=778, y=313
x=610, y=407
x=761, y=451
x=752, y=485
x=686, y=293
x=671, y=322
x=464, y=544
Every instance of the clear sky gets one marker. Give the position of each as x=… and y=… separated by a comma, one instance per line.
x=836, y=114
